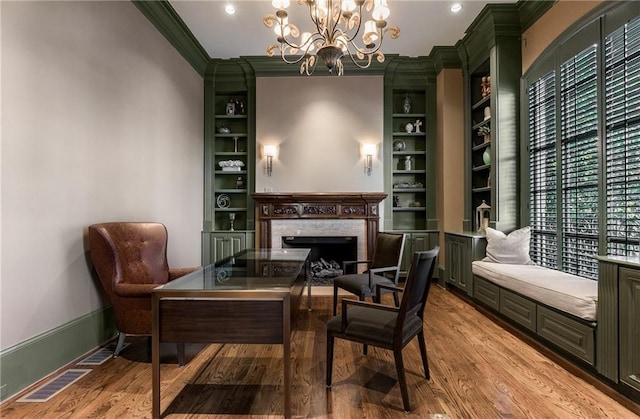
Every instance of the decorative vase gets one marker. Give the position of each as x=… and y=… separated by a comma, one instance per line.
x=486, y=156
x=408, y=164
x=406, y=104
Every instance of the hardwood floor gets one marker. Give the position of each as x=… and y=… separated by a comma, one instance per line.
x=478, y=370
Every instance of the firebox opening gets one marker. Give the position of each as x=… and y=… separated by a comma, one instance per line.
x=327, y=254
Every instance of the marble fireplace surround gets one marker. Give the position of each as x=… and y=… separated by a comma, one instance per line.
x=319, y=214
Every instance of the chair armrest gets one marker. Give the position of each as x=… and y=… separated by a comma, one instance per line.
x=374, y=271
x=175, y=273
x=385, y=269
x=347, y=301
x=353, y=262
x=389, y=287
x=134, y=290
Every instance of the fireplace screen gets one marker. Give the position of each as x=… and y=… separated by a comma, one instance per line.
x=327, y=254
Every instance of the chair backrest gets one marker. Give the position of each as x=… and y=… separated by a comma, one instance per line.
x=417, y=285
x=129, y=252
x=388, y=250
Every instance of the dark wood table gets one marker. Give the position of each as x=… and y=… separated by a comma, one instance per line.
x=251, y=297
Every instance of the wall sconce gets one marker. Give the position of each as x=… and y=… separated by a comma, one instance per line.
x=369, y=151
x=269, y=152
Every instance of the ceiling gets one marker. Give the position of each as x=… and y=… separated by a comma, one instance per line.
x=423, y=24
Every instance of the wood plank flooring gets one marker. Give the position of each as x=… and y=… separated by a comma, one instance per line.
x=478, y=370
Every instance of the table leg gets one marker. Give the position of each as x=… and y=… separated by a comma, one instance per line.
x=307, y=268
x=155, y=361
x=286, y=361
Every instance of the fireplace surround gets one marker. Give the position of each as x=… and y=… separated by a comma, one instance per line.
x=354, y=214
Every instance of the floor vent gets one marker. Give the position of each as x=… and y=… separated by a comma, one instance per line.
x=100, y=356
x=54, y=386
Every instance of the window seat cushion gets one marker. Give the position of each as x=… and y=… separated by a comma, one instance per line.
x=568, y=293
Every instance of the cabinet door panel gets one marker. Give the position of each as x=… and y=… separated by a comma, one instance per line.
x=630, y=327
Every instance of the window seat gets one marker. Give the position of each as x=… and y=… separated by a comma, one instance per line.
x=569, y=293
x=558, y=307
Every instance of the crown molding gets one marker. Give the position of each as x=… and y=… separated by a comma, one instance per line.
x=532, y=10
x=164, y=17
x=445, y=57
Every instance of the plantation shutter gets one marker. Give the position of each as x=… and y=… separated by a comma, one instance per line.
x=622, y=96
x=542, y=171
x=579, y=159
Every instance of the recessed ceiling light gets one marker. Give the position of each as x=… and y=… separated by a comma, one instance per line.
x=230, y=9
x=456, y=7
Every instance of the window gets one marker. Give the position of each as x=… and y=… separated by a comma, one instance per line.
x=622, y=93
x=542, y=163
x=577, y=155
x=583, y=105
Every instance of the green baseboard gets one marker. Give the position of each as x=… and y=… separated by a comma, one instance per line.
x=27, y=362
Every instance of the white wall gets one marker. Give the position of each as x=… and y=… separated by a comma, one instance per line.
x=101, y=120
x=319, y=125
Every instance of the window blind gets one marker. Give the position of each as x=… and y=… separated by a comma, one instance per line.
x=542, y=171
x=579, y=159
x=622, y=139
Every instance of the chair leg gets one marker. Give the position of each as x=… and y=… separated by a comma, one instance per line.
x=423, y=352
x=397, y=353
x=330, y=341
x=364, y=345
x=121, y=336
x=335, y=299
x=396, y=300
x=180, y=347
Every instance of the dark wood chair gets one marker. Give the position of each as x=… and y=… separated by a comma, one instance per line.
x=388, y=327
x=131, y=260
x=383, y=268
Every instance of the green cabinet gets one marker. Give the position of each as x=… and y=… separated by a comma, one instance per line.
x=416, y=242
x=229, y=146
x=491, y=64
x=618, y=331
x=216, y=246
x=409, y=153
x=462, y=249
x=630, y=328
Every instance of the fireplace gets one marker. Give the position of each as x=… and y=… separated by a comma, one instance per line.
x=344, y=214
x=327, y=254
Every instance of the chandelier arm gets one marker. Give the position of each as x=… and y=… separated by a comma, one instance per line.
x=357, y=64
x=304, y=46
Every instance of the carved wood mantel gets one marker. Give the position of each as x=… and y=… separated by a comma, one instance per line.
x=338, y=205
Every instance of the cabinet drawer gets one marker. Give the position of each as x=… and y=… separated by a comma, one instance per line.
x=518, y=309
x=486, y=292
x=570, y=335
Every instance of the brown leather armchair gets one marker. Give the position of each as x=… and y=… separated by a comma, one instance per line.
x=131, y=260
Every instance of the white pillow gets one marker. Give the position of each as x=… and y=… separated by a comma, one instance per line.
x=512, y=248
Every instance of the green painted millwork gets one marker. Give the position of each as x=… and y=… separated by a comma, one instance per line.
x=532, y=10
x=224, y=81
x=607, y=315
x=492, y=48
x=445, y=57
x=34, y=359
x=493, y=23
x=162, y=15
x=415, y=78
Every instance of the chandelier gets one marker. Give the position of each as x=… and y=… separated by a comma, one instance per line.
x=335, y=33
